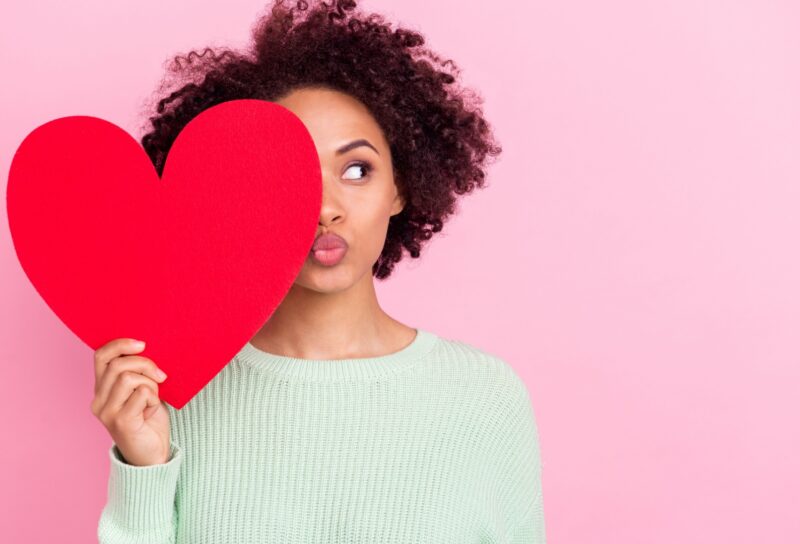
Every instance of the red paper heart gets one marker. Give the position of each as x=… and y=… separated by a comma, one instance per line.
x=193, y=263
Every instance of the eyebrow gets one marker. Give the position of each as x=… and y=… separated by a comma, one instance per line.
x=355, y=143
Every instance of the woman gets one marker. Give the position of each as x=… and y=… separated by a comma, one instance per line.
x=336, y=422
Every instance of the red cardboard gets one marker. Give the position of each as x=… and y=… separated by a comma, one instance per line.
x=194, y=262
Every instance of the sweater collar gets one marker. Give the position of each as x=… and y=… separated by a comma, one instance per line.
x=332, y=370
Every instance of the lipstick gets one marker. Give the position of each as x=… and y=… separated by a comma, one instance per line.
x=328, y=249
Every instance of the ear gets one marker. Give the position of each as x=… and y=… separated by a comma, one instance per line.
x=399, y=202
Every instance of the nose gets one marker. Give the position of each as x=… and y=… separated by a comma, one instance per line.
x=331, y=210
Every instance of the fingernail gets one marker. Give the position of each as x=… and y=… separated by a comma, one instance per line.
x=138, y=344
x=161, y=374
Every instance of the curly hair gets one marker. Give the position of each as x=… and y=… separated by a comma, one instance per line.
x=438, y=137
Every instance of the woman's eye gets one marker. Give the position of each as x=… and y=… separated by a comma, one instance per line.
x=355, y=166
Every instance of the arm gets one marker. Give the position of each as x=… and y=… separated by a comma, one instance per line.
x=521, y=475
x=529, y=528
x=141, y=501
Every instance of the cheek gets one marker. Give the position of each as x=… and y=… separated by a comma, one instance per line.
x=373, y=231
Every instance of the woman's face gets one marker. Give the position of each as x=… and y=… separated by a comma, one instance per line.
x=359, y=194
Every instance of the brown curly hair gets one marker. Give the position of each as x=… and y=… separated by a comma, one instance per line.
x=439, y=139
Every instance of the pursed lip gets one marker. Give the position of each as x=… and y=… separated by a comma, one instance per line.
x=329, y=241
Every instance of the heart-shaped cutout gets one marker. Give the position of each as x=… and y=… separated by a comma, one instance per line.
x=193, y=262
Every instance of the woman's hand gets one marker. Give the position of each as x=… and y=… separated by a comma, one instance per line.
x=126, y=402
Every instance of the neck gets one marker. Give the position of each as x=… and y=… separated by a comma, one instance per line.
x=348, y=323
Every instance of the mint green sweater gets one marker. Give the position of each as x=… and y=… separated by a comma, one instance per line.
x=435, y=443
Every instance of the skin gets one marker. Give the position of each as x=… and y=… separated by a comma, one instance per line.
x=333, y=312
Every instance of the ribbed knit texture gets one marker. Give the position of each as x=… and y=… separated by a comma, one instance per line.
x=436, y=443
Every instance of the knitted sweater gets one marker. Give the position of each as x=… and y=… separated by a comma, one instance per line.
x=435, y=443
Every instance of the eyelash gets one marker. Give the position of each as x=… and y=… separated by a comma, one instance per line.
x=365, y=165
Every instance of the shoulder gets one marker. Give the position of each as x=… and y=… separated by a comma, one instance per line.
x=497, y=395
x=495, y=374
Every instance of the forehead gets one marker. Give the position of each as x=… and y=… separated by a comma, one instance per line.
x=332, y=116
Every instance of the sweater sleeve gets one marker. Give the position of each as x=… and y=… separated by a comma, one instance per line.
x=141, y=501
x=520, y=476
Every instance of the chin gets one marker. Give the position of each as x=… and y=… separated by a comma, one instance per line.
x=324, y=279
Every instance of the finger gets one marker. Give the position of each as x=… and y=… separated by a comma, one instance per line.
x=115, y=348
x=150, y=410
x=137, y=402
x=125, y=363
x=123, y=388
x=118, y=365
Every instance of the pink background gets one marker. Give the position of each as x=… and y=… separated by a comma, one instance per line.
x=634, y=257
